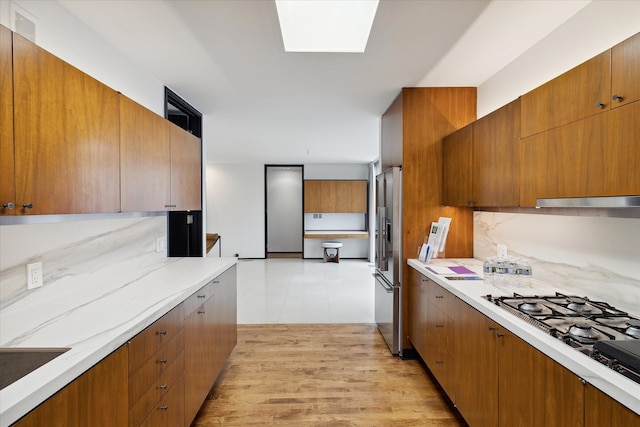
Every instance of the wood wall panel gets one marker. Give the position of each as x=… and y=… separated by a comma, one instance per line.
x=427, y=116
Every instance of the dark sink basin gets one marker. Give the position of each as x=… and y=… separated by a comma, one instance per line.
x=15, y=363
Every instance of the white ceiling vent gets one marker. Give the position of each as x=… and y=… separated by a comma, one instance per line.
x=23, y=22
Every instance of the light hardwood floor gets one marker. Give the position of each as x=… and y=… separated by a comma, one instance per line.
x=322, y=375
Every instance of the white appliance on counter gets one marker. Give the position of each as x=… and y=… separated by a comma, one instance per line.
x=388, y=271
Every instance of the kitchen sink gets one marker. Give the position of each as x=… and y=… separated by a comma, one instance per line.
x=15, y=363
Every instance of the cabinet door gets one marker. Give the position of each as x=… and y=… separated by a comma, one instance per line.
x=328, y=196
x=97, y=398
x=477, y=367
x=7, y=170
x=625, y=72
x=197, y=362
x=580, y=92
x=457, y=168
x=591, y=157
x=66, y=136
x=312, y=196
x=521, y=382
x=563, y=397
x=418, y=311
x=145, y=159
x=496, y=157
x=601, y=410
x=186, y=170
x=358, y=196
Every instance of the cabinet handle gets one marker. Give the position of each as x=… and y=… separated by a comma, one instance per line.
x=600, y=105
x=162, y=387
x=439, y=296
x=8, y=205
x=582, y=380
x=617, y=98
x=201, y=311
x=164, y=408
x=216, y=281
x=202, y=296
x=491, y=328
x=499, y=335
x=163, y=361
x=27, y=206
x=161, y=333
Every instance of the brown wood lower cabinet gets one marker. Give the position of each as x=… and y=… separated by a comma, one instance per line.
x=601, y=410
x=494, y=378
x=96, y=398
x=163, y=374
x=210, y=336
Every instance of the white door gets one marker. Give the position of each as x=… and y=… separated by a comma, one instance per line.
x=284, y=208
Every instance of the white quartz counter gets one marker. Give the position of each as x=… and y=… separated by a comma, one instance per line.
x=92, y=320
x=615, y=385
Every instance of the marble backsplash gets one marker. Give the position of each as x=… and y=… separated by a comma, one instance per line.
x=78, y=251
x=598, y=257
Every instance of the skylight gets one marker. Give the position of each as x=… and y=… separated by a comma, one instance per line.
x=326, y=25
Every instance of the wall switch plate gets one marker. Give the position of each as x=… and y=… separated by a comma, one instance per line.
x=160, y=244
x=502, y=251
x=34, y=275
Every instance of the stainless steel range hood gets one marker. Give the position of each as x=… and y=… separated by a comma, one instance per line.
x=590, y=202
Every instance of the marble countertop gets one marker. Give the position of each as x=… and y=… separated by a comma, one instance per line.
x=92, y=320
x=615, y=385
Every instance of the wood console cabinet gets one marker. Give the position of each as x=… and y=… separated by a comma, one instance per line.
x=66, y=136
x=335, y=196
x=96, y=398
x=481, y=161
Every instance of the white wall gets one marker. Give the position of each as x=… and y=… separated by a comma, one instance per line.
x=337, y=171
x=61, y=33
x=596, y=28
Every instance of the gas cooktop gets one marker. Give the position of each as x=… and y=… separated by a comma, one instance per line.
x=594, y=328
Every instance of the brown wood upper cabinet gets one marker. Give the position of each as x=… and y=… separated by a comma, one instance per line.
x=335, y=196
x=160, y=162
x=7, y=171
x=596, y=156
x=66, y=136
x=481, y=161
x=186, y=170
x=145, y=159
x=625, y=72
x=606, y=81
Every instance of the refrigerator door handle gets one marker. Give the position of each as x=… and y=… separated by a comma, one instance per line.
x=380, y=279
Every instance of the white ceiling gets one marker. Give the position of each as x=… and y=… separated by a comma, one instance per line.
x=263, y=105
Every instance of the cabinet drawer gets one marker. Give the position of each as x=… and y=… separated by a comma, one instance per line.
x=170, y=411
x=439, y=297
x=156, y=392
x=199, y=297
x=154, y=367
x=438, y=326
x=149, y=341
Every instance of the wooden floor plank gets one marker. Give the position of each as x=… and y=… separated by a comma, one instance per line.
x=322, y=375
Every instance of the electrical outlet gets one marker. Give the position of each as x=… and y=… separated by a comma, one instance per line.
x=160, y=244
x=34, y=275
x=502, y=251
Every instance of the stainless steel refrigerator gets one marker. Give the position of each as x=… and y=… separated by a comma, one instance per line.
x=388, y=272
